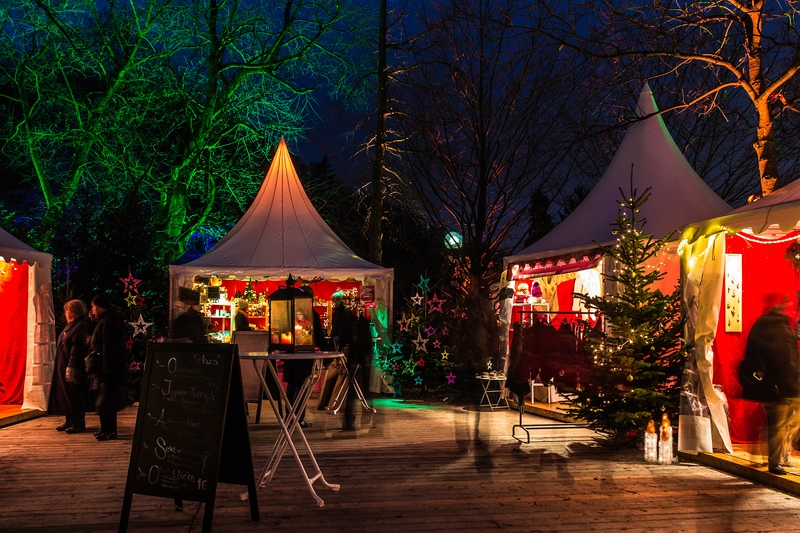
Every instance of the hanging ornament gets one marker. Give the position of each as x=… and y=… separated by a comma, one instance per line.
x=793, y=254
x=651, y=443
x=629, y=377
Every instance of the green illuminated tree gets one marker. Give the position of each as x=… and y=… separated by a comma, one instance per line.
x=634, y=366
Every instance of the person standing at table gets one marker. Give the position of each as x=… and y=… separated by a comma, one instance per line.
x=107, y=365
x=295, y=372
x=343, y=336
x=69, y=388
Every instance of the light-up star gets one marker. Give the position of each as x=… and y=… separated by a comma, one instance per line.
x=140, y=326
x=396, y=347
x=130, y=283
x=398, y=391
x=437, y=344
x=456, y=311
x=444, y=355
x=445, y=331
x=420, y=362
x=451, y=378
x=129, y=344
x=489, y=364
x=139, y=300
x=131, y=299
x=396, y=367
x=404, y=323
x=409, y=366
x=430, y=330
x=420, y=343
x=435, y=304
x=437, y=362
x=417, y=299
x=418, y=380
x=423, y=283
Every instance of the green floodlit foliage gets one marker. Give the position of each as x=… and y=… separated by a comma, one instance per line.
x=634, y=367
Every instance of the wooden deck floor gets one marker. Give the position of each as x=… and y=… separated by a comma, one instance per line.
x=415, y=467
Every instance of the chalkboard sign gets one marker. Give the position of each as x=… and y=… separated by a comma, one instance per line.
x=191, y=428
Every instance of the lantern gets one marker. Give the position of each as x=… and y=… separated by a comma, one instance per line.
x=290, y=319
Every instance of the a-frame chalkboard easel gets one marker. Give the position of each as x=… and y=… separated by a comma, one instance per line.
x=191, y=428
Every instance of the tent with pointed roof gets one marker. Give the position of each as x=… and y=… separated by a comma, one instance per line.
x=280, y=234
x=27, y=338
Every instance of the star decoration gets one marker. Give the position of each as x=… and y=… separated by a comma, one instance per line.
x=417, y=299
x=444, y=355
x=437, y=344
x=435, y=303
x=129, y=343
x=396, y=367
x=420, y=362
x=430, y=330
x=131, y=299
x=410, y=364
x=404, y=323
x=139, y=300
x=456, y=311
x=489, y=364
x=140, y=326
x=420, y=343
x=423, y=283
x=445, y=331
x=396, y=347
x=437, y=362
x=398, y=391
x=451, y=378
x=418, y=380
x=130, y=283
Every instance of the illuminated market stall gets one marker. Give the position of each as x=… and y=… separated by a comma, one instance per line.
x=545, y=276
x=735, y=267
x=280, y=234
x=27, y=337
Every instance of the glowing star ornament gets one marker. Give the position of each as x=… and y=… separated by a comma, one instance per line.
x=418, y=380
x=444, y=355
x=435, y=304
x=451, y=378
x=129, y=343
x=423, y=284
x=445, y=331
x=456, y=311
x=430, y=330
x=140, y=326
x=404, y=323
x=130, y=283
x=420, y=362
x=131, y=299
x=417, y=299
x=437, y=344
x=420, y=344
x=396, y=347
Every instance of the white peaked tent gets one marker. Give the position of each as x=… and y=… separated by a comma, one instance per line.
x=30, y=344
x=650, y=155
x=281, y=234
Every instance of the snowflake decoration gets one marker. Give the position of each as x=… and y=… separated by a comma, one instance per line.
x=140, y=326
x=451, y=378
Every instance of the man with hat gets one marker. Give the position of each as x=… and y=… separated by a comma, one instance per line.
x=107, y=353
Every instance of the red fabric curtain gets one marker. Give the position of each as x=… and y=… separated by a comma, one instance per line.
x=13, y=333
x=766, y=277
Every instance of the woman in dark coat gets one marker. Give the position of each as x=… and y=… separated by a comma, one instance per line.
x=68, y=390
x=107, y=368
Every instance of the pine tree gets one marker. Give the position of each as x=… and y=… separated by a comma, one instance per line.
x=634, y=366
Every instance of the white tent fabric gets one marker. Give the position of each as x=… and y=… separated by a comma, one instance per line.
x=40, y=330
x=649, y=156
x=281, y=234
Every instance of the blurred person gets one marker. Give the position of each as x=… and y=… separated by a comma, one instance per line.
x=188, y=326
x=773, y=344
x=69, y=387
x=107, y=365
x=240, y=322
x=343, y=325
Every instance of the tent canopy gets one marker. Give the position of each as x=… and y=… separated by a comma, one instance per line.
x=13, y=248
x=647, y=157
x=781, y=209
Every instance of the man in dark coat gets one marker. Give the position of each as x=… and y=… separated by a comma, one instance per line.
x=772, y=341
x=189, y=326
x=107, y=353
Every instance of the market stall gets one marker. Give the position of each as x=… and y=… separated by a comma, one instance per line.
x=568, y=260
x=735, y=267
x=27, y=338
x=281, y=234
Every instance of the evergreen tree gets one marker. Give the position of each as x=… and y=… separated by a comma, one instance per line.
x=635, y=364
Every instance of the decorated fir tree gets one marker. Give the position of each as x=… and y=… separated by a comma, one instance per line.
x=634, y=365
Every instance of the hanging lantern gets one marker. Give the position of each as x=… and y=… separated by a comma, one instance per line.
x=290, y=319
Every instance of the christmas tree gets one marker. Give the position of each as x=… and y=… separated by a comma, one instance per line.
x=635, y=364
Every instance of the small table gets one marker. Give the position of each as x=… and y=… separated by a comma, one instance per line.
x=290, y=423
x=493, y=385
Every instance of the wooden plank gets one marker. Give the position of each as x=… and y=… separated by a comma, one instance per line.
x=414, y=467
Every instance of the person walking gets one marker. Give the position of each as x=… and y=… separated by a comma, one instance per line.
x=107, y=366
x=69, y=387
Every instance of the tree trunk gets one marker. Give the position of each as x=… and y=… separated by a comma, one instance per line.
x=376, y=204
x=765, y=150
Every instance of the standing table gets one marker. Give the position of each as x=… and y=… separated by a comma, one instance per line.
x=290, y=423
x=493, y=385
